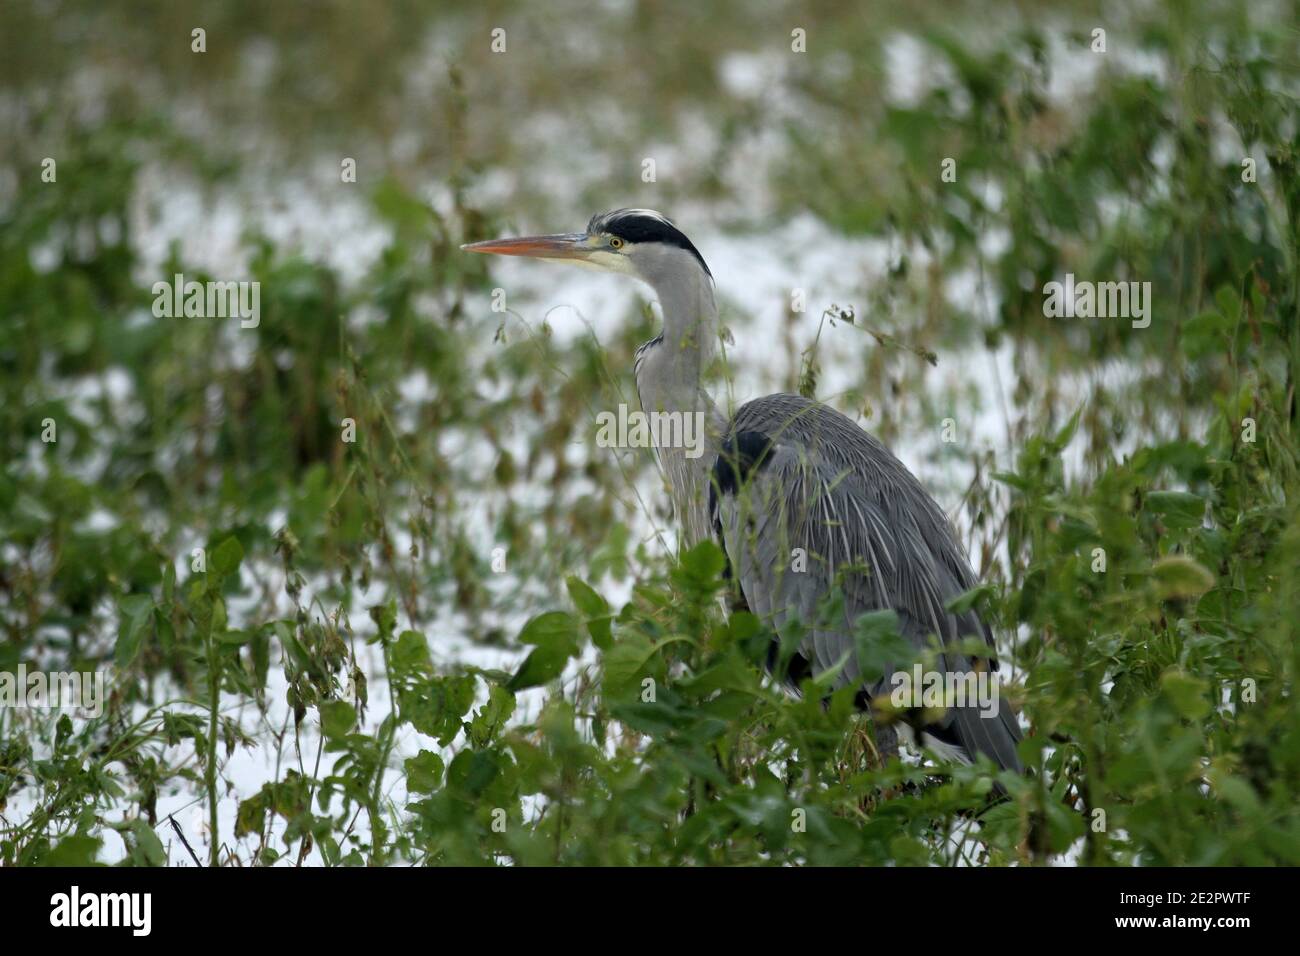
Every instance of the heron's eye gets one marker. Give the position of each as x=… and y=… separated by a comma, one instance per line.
x=615, y=242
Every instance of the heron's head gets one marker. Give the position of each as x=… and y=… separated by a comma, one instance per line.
x=635, y=242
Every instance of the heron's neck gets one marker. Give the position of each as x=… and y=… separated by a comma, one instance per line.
x=670, y=374
x=670, y=378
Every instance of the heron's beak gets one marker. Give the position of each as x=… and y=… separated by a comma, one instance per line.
x=572, y=245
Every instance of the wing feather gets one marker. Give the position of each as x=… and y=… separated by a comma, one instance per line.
x=869, y=530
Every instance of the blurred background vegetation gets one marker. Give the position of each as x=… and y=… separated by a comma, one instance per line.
x=351, y=681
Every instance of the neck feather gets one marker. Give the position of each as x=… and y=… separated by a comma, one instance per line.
x=670, y=378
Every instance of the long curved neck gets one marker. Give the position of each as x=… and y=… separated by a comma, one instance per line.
x=670, y=379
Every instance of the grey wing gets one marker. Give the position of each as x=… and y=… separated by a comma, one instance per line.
x=810, y=507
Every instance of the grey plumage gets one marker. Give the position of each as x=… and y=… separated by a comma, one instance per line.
x=783, y=473
x=868, y=529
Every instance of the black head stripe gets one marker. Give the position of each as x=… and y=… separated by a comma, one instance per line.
x=643, y=225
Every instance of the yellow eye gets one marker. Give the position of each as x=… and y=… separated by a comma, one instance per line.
x=616, y=242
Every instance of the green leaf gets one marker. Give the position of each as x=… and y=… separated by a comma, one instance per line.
x=252, y=815
x=540, y=667
x=1179, y=577
x=594, y=609
x=423, y=772
x=409, y=656
x=471, y=771
x=288, y=636
x=967, y=599
x=632, y=657
x=880, y=647
x=162, y=625
x=703, y=564
x=134, y=611
x=585, y=598
x=435, y=707
x=76, y=850
x=63, y=731
x=492, y=716
x=1012, y=479
x=729, y=673
x=1186, y=693
x=1204, y=333
x=147, y=840
x=624, y=662
x=556, y=630
x=555, y=635
x=225, y=560
x=385, y=618
x=1063, y=437
x=337, y=718
x=1180, y=509
x=1240, y=795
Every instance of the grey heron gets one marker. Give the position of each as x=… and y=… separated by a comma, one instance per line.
x=787, y=476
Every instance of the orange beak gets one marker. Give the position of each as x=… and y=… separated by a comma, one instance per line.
x=571, y=245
